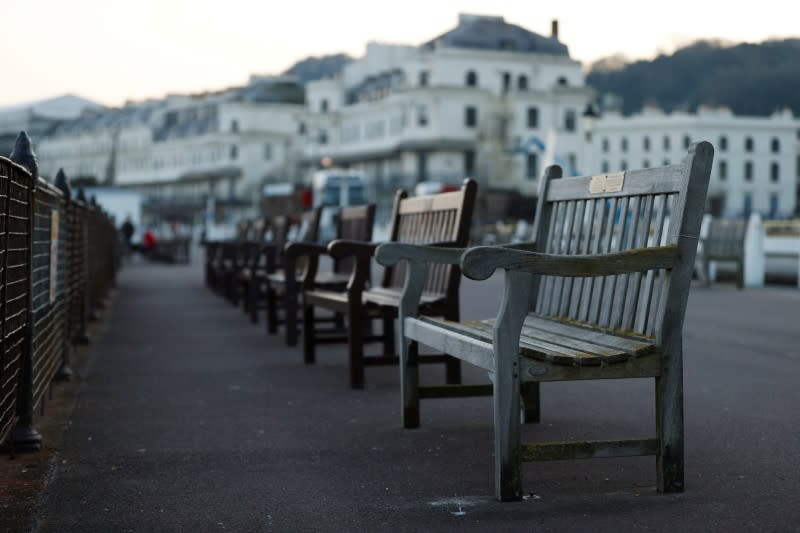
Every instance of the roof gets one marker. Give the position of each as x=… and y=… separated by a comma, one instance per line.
x=494, y=33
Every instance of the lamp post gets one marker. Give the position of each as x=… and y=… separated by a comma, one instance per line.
x=587, y=121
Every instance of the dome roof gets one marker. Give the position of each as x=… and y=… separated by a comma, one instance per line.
x=494, y=33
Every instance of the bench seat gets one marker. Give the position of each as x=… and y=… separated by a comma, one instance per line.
x=558, y=342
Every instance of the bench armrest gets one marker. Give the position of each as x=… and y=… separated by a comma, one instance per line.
x=296, y=249
x=480, y=262
x=390, y=253
x=341, y=248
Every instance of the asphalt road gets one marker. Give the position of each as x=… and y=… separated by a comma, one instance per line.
x=195, y=420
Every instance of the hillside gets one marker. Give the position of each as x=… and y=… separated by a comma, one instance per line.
x=751, y=79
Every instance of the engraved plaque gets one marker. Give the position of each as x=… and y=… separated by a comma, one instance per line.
x=607, y=183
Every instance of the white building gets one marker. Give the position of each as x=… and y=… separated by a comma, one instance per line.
x=755, y=159
x=487, y=99
x=184, y=149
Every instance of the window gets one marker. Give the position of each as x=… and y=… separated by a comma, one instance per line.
x=645, y=164
x=506, y=81
x=748, y=203
x=234, y=151
x=623, y=144
x=301, y=128
x=322, y=137
x=774, y=172
x=562, y=81
x=604, y=166
x=423, y=78
x=235, y=126
x=623, y=165
x=723, y=170
x=422, y=116
x=748, y=171
x=469, y=163
x=646, y=143
x=267, y=152
x=686, y=141
x=569, y=120
x=665, y=162
x=471, y=79
x=605, y=144
x=522, y=83
x=748, y=144
x=774, y=203
x=533, y=117
x=470, y=116
x=666, y=143
x=532, y=166
x=422, y=166
x=775, y=145
x=572, y=159
x=723, y=143
x=323, y=105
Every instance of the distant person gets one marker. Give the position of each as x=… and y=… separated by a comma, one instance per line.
x=127, y=232
x=149, y=241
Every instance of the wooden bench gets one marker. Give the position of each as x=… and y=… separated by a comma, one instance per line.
x=724, y=242
x=279, y=284
x=600, y=294
x=438, y=219
x=263, y=256
x=302, y=270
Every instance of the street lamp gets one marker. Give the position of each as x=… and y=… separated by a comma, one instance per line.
x=588, y=118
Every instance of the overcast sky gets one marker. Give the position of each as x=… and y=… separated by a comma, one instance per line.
x=111, y=51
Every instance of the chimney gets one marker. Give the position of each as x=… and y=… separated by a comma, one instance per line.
x=554, y=29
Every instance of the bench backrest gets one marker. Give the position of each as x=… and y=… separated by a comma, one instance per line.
x=353, y=224
x=725, y=239
x=437, y=218
x=618, y=212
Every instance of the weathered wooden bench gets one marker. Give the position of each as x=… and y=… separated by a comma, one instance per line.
x=600, y=294
x=724, y=242
x=263, y=256
x=442, y=219
x=302, y=271
x=279, y=285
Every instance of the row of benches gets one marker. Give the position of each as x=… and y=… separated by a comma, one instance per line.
x=599, y=292
x=58, y=260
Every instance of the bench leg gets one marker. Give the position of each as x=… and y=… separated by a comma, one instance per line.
x=409, y=379
x=355, y=343
x=669, y=424
x=388, y=335
x=707, y=272
x=272, y=311
x=290, y=317
x=338, y=321
x=507, y=461
x=531, y=402
x=309, y=350
x=507, y=390
x=252, y=288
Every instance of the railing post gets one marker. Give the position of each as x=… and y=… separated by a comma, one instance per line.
x=65, y=372
x=83, y=334
x=25, y=436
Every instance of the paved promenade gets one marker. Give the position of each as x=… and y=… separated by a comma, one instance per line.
x=192, y=419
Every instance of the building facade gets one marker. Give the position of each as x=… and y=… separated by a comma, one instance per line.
x=185, y=151
x=755, y=159
x=487, y=100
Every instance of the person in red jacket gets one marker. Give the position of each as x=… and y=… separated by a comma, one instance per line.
x=149, y=240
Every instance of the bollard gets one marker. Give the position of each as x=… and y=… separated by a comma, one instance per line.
x=25, y=436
